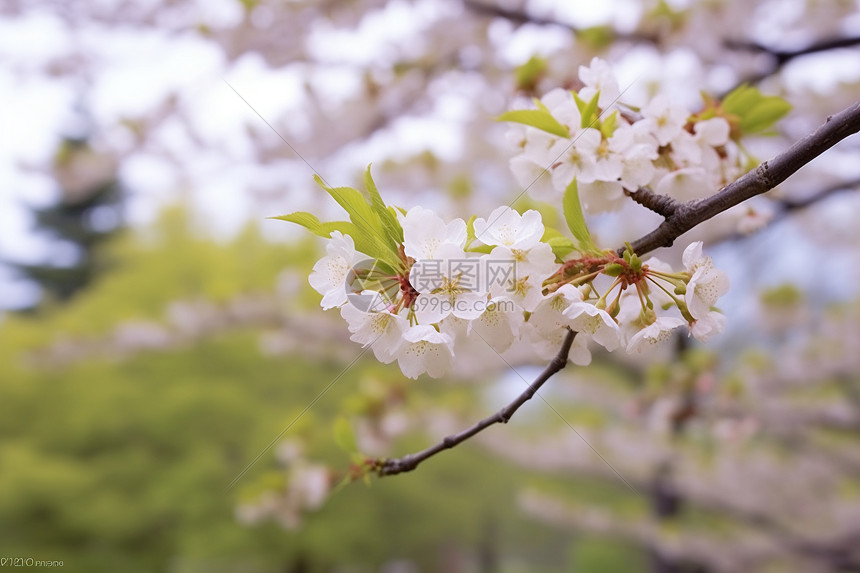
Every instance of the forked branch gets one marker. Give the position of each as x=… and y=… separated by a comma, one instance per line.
x=679, y=218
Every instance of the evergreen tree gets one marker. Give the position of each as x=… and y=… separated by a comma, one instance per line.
x=87, y=213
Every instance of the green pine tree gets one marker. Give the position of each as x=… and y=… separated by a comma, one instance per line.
x=87, y=214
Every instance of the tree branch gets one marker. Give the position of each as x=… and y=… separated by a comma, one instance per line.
x=788, y=206
x=394, y=466
x=784, y=56
x=760, y=180
x=522, y=17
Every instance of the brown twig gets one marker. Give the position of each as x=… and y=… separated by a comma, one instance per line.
x=522, y=17
x=394, y=466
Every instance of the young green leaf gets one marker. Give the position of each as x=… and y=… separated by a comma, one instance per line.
x=756, y=112
x=530, y=73
x=575, y=218
x=588, y=110
x=363, y=243
x=370, y=230
x=312, y=224
x=393, y=230
x=764, y=115
x=539, y=118
x=607, y=127
x=561, y=246
x=353, y=202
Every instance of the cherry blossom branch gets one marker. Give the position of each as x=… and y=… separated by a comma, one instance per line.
x=678, y=219
x=760, y=180
x=394, y=466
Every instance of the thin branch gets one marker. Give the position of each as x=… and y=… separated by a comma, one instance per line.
x=522, y=17
x=760, y=180
x=784, y=208
x=787, y=206
x=782, y=57
x=394, y=466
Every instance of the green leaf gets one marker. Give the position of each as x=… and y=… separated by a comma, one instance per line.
x=392, y=226
x=588, y=110
x=549, y=233
x=369, y=230
x=344, y=436
x=597, y=37
x=756, y=112
x=739, y=99
x=363, y=243
x=561, y=246
x=529, y=74
x=607, y=128
x=764, y=115
x=539, y=118
x=312, y=224
x=470, y=230
x=353, y=202
x=575, y=218
x=483, y=249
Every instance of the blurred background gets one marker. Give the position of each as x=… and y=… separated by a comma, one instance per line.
x=172, y=397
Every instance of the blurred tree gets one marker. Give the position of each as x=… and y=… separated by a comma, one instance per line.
x=86, y=215
x=128, y=412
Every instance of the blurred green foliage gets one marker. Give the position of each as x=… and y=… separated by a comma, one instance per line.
x=123, y=464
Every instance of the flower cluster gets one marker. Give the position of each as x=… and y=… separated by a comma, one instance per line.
x=609, y=146
x=497, y=280
x=411, y=285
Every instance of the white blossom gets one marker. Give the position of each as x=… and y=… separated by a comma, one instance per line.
x=383, y=331
x=650, y=336
x=707, y=326
x=499, y=325
x=587, y=319
x=505, y=227
x=575, y=158
x=599, y=77
x=328, y=276
x=424, y=232
x=663, y=119
x=707, y=283
x=445, y=287
x=425, y=350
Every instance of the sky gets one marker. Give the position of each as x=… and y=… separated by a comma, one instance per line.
x=134, y=70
